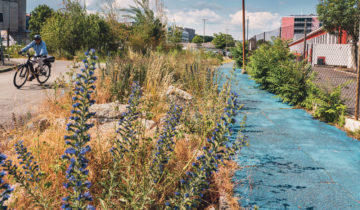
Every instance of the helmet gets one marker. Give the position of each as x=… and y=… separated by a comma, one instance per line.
x=37, y=37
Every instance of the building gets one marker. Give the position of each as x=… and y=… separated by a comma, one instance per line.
x=191, y=33
x=292, y=27
x=187, y=34
x=323, y=48
x=13, y=18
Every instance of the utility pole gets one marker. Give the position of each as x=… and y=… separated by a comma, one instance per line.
x=226, y=37
x=247, y=28
x=8, y=31
x=204, y=29
x=243, y=27
x=358, y=76
x=305, y=28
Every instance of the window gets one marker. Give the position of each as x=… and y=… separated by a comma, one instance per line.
x=1, y=18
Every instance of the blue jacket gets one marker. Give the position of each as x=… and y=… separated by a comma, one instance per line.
x=40, y=49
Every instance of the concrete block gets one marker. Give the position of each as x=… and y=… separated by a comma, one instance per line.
x=352, y=124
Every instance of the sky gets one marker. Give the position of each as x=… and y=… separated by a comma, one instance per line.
x=222, y=15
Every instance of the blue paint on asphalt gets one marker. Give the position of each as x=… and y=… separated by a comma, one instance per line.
x=293, y=161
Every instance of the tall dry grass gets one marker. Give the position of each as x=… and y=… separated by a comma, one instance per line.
x=192, y=72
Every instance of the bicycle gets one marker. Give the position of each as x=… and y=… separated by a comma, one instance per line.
x=41, y=74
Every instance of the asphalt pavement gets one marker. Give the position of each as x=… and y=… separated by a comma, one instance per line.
x=30, y=96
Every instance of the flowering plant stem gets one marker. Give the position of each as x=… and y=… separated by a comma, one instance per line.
x=77, y=173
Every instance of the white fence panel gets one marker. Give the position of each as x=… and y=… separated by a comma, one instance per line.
x=334, y=54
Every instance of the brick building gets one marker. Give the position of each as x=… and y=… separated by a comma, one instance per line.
x=292, y=27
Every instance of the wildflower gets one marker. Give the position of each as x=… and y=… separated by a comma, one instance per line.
x=165, y=142
x=5, y=188
x=76, y=173
x=212, y=156
x=127, y=141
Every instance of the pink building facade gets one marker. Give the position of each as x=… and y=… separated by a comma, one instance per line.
x=292, y=27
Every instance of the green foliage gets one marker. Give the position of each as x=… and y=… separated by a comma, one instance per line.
x=197, y=39
x=237, y=53
x=175, y=35
x=338, y=15
x=148, y=31
x=222, y=40
x=342, y=14
x=275, y=69
x=288, y=79
x=211, y=54
x=326, y=103
x=38, y=18
x=13, y=50
x=72, y=29
x=265, y=58
x=206, y=38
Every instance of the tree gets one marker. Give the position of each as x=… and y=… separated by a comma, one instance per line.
x=72, y=29
x=52, y=33
x=206, y=38
x=198, y=40
x=175, y=35
x=222, y=40
x=338, y=15
x=237, y=53
x=148, y=31
x=38, y=18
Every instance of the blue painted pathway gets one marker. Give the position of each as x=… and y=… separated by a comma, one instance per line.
x=293, y=161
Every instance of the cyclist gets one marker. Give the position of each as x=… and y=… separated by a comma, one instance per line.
x=39, y=47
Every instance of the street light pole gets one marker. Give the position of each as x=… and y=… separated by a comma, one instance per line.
x=204, y=30
x=243, y=11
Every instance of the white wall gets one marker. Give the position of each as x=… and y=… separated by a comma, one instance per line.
x=335, y=54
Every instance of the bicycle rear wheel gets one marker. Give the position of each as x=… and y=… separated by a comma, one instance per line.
x=44, y=74
x=21, y=76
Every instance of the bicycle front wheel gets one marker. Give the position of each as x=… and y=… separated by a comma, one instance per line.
x=21, y=76
x=44, y=74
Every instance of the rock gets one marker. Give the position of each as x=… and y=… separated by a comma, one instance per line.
x=108, y=112
x=352, y=124
x=108, y=127
x=177, y=95
x=149, y=124
x=223, y=203
x=60, y=122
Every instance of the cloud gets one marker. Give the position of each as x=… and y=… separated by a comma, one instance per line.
x=192, y=18
x=259, y=21
x=97, y=5
x=208, y=5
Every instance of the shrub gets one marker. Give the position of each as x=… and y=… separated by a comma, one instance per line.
x=288, y=80
x=326, y=103
x=265, y=58
x=275, y=69
x=237, y=53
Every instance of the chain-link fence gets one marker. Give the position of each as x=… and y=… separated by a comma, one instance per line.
x=333, y=57
x=331, y=54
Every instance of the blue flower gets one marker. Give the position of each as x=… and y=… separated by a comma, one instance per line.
x=77, y=149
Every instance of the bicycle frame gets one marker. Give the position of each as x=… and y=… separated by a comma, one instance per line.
x=29, y=63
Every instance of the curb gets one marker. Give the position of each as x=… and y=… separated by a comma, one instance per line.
x=345, y=72
x=7, y=69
